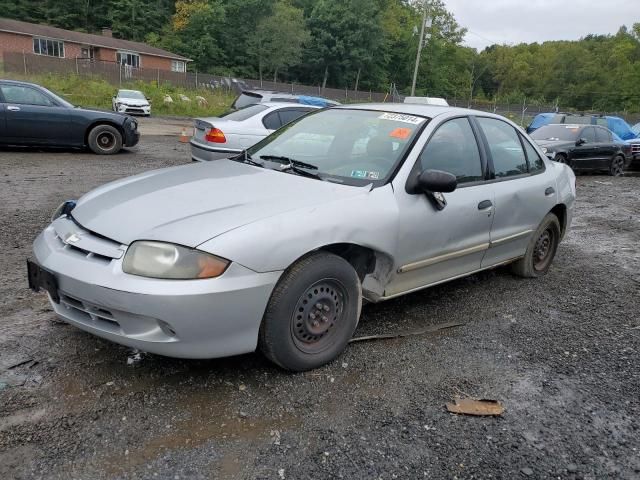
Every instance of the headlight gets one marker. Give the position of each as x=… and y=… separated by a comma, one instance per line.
x=165, y=260
x=63, y=209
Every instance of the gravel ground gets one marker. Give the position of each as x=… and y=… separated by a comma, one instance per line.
x=562, y=353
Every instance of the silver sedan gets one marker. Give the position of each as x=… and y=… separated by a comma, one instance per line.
x=221, y=137
x=276, y=249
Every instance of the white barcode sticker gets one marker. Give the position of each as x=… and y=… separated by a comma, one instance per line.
x=401, y=117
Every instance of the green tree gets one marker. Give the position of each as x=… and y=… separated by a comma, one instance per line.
x=279, y=39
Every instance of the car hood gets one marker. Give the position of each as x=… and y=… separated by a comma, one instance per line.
x=550, y=144
x=134, y=102
x=191, y=204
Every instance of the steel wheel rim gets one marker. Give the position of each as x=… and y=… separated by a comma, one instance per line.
x=543, y=250
x=106, y=140
x=318, y=316
x=618, y=169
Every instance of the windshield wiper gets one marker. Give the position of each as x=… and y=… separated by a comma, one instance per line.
x=246, y=158
x=295, y=166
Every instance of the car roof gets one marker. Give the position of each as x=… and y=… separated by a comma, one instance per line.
x=429, y=111
x=19, y=82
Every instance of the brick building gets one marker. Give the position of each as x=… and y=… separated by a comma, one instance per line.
x=23, y=37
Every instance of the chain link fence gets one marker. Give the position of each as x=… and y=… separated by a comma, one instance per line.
x=116, y=74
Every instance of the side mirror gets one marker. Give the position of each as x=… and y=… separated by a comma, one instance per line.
x=581, y=141
x=436, y=181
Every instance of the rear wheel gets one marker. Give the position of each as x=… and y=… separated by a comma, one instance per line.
x=105, y=140
x=616, y=169
x=560, y=158
x=312, y=313
x=541, y=249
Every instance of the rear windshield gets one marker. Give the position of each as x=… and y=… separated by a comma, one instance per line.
x=556, y=132
x=244, y=113
x=577, y=120
x=245, y=99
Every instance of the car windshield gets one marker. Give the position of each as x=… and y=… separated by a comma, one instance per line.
x=556, y=132
x=134, y=94
x=354, y=147
x=246, y=98
x=244, y=113
x=636, y=129
x=60, y=100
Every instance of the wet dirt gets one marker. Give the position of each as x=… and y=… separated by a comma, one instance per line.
x=561, y=353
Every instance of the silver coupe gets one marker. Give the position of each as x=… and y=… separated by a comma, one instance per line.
x=276, y=248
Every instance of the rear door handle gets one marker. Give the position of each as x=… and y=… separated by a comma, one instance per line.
x=549, y=191
x=13, y=108
x=485, y=205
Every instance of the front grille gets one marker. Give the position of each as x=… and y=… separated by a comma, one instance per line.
x=88, y=314
x=635, y=148
x=74, y=250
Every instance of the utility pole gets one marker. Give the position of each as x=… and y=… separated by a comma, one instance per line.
x=421, y=40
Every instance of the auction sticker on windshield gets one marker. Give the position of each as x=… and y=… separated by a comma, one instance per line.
x=365, y=174
x=400, y=117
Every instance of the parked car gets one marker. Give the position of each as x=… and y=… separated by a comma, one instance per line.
x=251, y=97
x=583, y=147
x=220, y=137
x=615, y=124
x=31, y=115
x=278, y=248
x=132, y=102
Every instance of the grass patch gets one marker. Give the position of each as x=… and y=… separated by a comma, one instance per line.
x=94, y=92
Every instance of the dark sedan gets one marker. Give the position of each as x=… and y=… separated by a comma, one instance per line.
x=583, y=147
x=31, y=115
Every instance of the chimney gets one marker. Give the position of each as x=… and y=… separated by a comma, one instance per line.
x=107, y=32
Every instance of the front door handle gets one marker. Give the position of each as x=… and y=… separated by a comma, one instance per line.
x=549, y=191
x=485, y=205
x=13, y=108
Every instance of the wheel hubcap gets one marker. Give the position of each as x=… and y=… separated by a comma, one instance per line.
x=618, y=168
x=542, y=250
x=106, y=140
x=317, y=315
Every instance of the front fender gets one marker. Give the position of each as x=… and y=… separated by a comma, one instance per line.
x=273, y=244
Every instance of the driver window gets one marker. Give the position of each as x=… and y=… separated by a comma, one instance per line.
x=453, y=148
x=24, y=96
x=589, y=135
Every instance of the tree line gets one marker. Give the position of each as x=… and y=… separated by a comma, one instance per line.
x=361, y=44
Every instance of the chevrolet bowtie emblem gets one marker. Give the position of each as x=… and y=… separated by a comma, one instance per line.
x=73, y=238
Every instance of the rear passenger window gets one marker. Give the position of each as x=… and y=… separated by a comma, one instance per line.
x=453, y=148
x=506, y=151
x=536, y=164
x=603, y=136
x=289, y=115
x=272, y=121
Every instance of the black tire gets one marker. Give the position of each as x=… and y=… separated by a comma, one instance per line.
x=312, y=313
x=560, y=158
x=541, y=250
x=616, y=168
x=105, y=140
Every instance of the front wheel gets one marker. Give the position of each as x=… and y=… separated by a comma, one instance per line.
x=105, y=140
x=312, y=313
x=616, y=169
x=541, y=250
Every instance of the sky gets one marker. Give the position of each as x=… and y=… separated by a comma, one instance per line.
x=518, y=21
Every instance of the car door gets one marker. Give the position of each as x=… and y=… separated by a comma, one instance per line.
x=436, y=245
x=524, y=190
x=606, y=147
x=586, y=155
x=3, y=123
x=32, y=117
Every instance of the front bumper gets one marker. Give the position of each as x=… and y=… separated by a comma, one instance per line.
x=187, y=318
x=134, y=109
x=206, y=153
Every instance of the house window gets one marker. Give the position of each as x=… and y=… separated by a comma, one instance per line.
x=45, y=46
x=128, y=58
x=177, y=66
x=87, y=53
